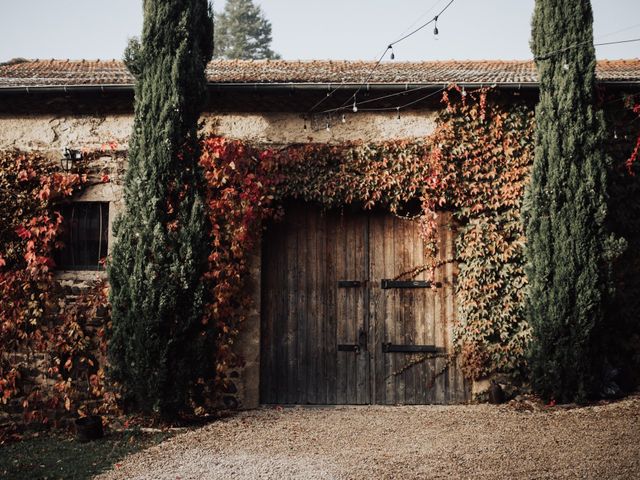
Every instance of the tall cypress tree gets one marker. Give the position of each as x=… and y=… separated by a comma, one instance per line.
x=566, y=207
x=159, y=347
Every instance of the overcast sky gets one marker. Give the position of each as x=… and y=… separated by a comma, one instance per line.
x=315, y=29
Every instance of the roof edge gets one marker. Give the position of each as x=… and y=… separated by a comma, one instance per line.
x=293, y=86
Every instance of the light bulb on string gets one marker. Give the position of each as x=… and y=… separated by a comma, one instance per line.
x=328, y=127
x=615, y=134
x=344, y=118
x=393, y=55
x=355, y=107
x=398, y=111
x=435, y=28
x=464, y=92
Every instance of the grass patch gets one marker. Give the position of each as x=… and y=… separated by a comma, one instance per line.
x=54, y=456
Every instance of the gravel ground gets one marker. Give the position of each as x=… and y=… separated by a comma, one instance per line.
x=465, y=441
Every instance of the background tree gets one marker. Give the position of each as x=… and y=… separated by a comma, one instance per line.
x=159, y=347
x=242, y=31
x=566, y=208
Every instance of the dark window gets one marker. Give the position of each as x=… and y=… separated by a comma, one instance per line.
x=85, y=229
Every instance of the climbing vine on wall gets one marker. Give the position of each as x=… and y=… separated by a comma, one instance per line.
x=475, y=164
x=487, y=149
x=38, y=328
x=239, y=198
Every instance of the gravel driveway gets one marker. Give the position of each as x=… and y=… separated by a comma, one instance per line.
x=470, y=441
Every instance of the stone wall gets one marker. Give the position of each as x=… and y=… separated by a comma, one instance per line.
x=33, y=367
x=50, y=133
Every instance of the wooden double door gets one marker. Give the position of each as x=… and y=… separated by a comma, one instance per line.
x=341, y=325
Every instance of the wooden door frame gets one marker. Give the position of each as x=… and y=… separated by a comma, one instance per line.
x=371, y=324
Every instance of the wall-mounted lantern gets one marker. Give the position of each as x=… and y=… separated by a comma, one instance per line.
x=69, y=156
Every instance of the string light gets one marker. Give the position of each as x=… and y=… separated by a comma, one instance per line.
x=344, y=119
x=384, y=97
x=441, y=89
x=400, y=107
x=355, y=107
x=435, y=28
x=377, y=64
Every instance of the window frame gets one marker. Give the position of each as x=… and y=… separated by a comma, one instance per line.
x=81, y=235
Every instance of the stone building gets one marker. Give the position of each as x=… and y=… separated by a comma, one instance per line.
x=50, y=105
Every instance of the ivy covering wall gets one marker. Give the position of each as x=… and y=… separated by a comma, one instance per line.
x=48, y=345
x=475, y=164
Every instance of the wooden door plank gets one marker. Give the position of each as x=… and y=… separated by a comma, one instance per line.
x=412, y=312
x=426, y=306
x=377, y=306
x=280, y=320
x=391, y=295
x=317, y=307
x=351, y=309
x=320, y=301
x=341, y=300
x=311, y=312
x=359, y=320
x=370, y=301
x=403, y=315
x=449, y=233
x=294, y=299
x=268, y=273
x=441, y=323
x=433, y=316
x=305, y=376
x=276, y=316
x=329, y=289
x=417, y=314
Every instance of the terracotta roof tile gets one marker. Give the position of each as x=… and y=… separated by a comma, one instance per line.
x=39, y=73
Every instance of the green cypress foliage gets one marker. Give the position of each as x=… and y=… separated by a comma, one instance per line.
x=159, y=347
x=242, y=31
x=566, y=208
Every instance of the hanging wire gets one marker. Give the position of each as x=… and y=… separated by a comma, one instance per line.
x=381, y=97
x=400, y=107
x=377, y=64
x=620, y=31
x=548, y=56
x=421, y=17
x=397, y=108
x=413, y=32
x=631, y=27
x=434, y=19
